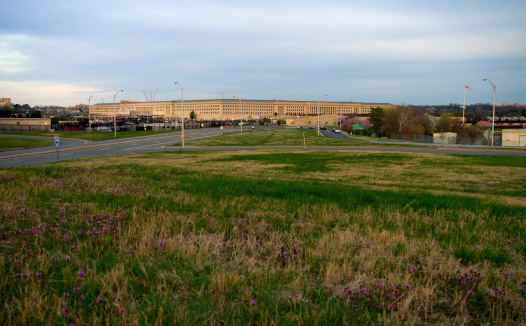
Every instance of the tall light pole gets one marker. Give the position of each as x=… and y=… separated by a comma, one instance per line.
x=114, y=119
x=89, y=112
x=493, y=122
x=464, y=107
x=240, y=115
x=182, y=110
x=319, y=113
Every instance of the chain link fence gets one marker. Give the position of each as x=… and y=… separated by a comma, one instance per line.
x=107, y=127
x=447, y=139
x=28, y=128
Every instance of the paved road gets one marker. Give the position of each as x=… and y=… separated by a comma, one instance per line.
x=338, y=135
x=74, y=149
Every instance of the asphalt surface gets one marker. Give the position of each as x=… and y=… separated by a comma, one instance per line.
x=75, y=149
x=70, y=149
x=338, y=135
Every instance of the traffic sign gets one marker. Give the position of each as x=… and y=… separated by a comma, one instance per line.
x=486, y=134
x=357, y=127
x=56, y=139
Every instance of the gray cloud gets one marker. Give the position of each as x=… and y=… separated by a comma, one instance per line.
x=417, y=52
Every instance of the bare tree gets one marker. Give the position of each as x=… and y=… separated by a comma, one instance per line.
x=404, y=116
x=397, y=119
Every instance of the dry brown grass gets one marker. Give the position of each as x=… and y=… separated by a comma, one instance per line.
x=211, y=257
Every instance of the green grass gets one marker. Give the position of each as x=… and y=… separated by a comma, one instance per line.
x=265, y=237
x=89, y=136
x=312, y=162
x=15, y=143
x=274, y=137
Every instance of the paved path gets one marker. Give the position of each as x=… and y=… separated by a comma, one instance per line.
x=74, y=149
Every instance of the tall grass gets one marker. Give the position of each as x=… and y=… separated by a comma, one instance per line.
x=223, y=238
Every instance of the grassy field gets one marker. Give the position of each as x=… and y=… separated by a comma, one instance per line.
x=265, y=237
x=274, y=137
x=89, y=136
x=15, y=143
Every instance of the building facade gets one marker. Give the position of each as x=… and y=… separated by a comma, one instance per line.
x=25, y=124
x=514, y=137
x=5, y=102
x=224, y=110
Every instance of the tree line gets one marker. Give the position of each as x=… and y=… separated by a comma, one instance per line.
x=410, y=121
x=8, y=113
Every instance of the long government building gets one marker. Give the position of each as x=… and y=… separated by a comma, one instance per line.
x=223, y=110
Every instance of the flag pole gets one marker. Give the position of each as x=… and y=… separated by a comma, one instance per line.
x=464, y=106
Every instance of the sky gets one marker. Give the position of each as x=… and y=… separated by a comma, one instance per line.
x=61, y=52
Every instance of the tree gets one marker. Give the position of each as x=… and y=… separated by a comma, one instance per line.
x=445, y=123
x=347, y=124
x=397, y=119
x=428, y=122
x=5, y=113
x=36, y=114
x=404, y=116
x=377, y=116
x=192, y=115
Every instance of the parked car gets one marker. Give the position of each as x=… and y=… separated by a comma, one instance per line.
x=333, y=129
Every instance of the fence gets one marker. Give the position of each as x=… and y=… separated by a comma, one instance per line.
x=29, y=128
x=107, y=127
x=445, y=139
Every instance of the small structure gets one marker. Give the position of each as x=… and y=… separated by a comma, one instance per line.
x=514, y=137
x=311, y=120
x=445, y=137
x=25, y=124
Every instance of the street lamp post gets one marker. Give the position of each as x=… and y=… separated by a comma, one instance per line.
x=319, y=113
x=493, y=122
x=182, y=111
x=89, y=113
x=114, y=118
x=240, y=116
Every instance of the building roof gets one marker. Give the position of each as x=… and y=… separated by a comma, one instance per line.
x=248, y=101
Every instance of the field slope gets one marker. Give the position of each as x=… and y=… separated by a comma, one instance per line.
x=265, y=237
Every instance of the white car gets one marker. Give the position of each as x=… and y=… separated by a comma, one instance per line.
x=337, y=130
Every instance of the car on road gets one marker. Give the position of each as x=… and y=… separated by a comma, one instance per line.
x=333, y=129
x=337, y=130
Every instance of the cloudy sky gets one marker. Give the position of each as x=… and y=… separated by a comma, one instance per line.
x=398, y=51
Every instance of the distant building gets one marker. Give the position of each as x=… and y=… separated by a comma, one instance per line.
x=232, y=109
x=5, y=102
x=78, y=106
x=25, y=124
